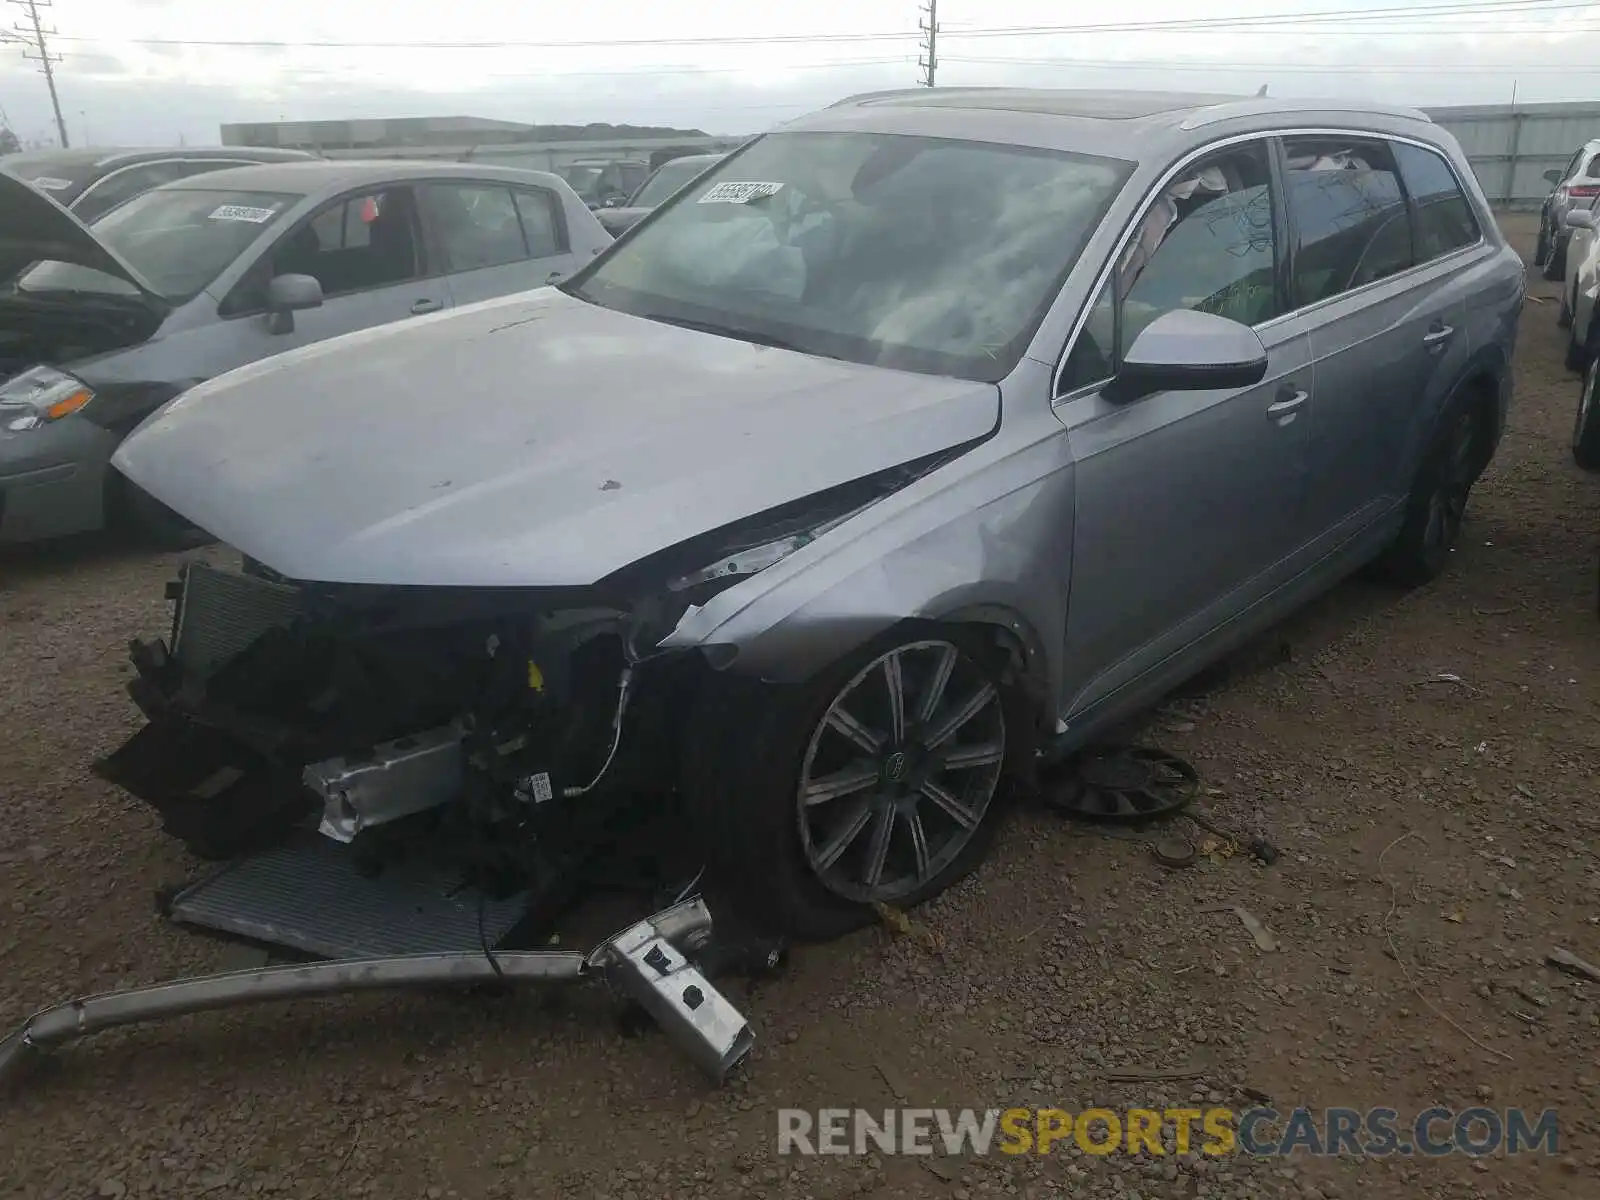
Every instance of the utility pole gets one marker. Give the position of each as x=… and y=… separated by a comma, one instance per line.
x=34, y=31
x=929, y=44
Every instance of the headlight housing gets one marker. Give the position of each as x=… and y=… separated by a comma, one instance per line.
x=750, y=560
x=40, y=395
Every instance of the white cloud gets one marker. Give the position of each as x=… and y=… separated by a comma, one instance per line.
x=125, y=90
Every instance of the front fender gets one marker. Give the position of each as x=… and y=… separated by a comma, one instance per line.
x=986, y=539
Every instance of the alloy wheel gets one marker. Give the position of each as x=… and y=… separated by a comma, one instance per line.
x=900, y=771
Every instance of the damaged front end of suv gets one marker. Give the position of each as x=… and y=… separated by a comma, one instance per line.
x=322, y=736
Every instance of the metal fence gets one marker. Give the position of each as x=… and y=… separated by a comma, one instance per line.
x=1511, y=147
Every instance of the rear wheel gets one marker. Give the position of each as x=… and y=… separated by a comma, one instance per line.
x=1555, y=266
x=1586, y=425
x=1438, y=501
x=1541, y=250
x=876, y=783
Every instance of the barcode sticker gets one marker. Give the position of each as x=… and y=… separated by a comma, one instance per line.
x=243, y=212
x=739, y=193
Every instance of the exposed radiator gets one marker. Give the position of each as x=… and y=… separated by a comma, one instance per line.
x=222, y=612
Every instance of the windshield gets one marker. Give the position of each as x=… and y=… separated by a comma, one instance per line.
x=668, y=178
x=582, y=179
x=176, y=240
x=924, y=254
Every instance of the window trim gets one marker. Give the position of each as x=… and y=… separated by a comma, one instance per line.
x=1057, y=396
x=425, y=264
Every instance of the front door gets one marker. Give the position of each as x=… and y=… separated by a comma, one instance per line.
x=1188, y=505
x=366, y=251
x=494, y=239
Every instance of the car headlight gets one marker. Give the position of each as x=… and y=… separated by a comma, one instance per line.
x=40, y=395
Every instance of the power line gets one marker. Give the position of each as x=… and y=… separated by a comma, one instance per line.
x=1251, y=21
x=930, y=43
x=34, y=32
x=1298, y=68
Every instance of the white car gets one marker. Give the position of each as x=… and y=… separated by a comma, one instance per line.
x=1578, y=292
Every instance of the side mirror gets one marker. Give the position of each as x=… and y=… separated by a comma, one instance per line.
x=1580, y=218
x=287, y=295
x=1553, y=175
x=1184, y=350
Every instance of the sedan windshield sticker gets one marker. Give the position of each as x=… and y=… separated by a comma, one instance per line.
x=46, y=183
x=739, y=193
x=243, y=212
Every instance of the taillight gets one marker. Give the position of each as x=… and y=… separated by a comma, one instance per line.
x=1584, y=191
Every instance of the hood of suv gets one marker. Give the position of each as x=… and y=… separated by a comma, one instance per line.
x=36, y=227
x=535, y=440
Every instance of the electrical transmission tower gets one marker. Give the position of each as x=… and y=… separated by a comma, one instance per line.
x=929, y=44
x=33, y=33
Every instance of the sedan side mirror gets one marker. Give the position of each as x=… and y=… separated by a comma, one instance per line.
x=1553, y=175
x=287, y=295
x=1580, y=218
x=1185, y=350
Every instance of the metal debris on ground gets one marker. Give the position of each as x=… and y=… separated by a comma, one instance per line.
x=1570, y=962
x=1264, y=940
x=649, y=962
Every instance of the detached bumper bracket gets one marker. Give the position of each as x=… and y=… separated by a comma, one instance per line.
x=692, y=1012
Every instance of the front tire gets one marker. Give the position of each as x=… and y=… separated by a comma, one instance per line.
x=1437, y=505
x=878, y=782
x=1586, y=424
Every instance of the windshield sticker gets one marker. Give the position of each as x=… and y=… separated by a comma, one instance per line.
x=46, y=183
x=739, y=193
x=243, y=212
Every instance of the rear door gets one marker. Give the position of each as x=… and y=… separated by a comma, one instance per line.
x=492, y=238
x=1386, y=335
x=365, y=249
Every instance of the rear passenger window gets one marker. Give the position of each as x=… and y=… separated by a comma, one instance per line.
x=1444, y=218
x=537, y=209
x=1349, y=216
x=476, y=225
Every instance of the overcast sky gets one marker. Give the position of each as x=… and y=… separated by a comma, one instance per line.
x=141, y=71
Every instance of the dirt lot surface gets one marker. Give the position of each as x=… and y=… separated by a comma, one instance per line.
x=1438, y=838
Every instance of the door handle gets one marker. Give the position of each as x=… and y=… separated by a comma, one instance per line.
x=418, y=307
x=1287, y=404
x=1438, y=335
x=554, y=276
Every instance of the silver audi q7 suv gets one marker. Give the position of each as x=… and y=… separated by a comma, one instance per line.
x=930, y=433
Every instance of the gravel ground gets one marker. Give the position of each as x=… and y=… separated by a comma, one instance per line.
x=1437, y=839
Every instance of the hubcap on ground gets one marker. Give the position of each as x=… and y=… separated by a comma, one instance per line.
x=1448, y=503
x=900, y=771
